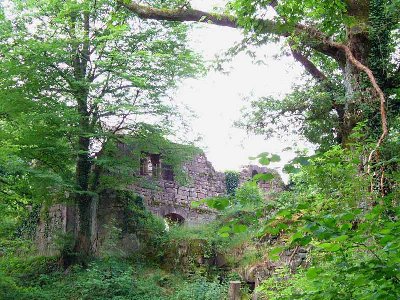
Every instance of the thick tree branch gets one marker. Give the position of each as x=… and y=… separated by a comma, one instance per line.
x=308, y=65
x=312, y=37
x=181, y=15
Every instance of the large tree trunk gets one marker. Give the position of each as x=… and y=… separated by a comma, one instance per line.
x=354, y=79
x=83, y=197
x=80, y=225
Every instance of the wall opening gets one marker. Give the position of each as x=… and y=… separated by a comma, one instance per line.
x=155, y=165
x=144, y=166
x=167, y=172
x=174, y=219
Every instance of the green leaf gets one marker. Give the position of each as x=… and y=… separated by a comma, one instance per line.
x=340, y=238
x=290, y=169
x=284, y=213
x=331, y=247
x=224, y=229
x=274, y=253
x=275, y=158
x=217, y=203
x=224, y=234
x=305, y=240
x=296, y=236
x=263, y=154
x=264, y=161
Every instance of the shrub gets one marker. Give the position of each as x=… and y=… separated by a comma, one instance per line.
x=201, y=290
x=249, y=194
x=231, y=182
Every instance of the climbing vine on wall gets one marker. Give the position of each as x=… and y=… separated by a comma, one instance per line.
x=231, y=182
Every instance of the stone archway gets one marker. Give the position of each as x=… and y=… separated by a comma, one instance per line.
x=174, y=218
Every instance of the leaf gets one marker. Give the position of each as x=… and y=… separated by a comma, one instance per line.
x=340, y=238
x=264, y=161
x=305, y=240
x=274, y=253
x=302, y=160
x=284, y=213
x=296, y=236
x=275, y=158
x=290, y=169
x=224, y=229
x=331, y=247
x=217, y=203
x=263, y=154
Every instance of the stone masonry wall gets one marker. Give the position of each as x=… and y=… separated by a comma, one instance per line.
x=167, y=196
x=275, y=185
x=162, y=197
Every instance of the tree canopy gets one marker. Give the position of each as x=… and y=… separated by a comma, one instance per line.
x=328, y=38
x=76, y=75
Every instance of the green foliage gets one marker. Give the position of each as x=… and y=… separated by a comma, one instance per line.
x=49, y=84
x=249, y=194
x=382, y=24
x=353, y=240
x=266, y=158
x=74, y=77
x=231, y=182
x=307, y=111
x=201, y=290
x=105, y=279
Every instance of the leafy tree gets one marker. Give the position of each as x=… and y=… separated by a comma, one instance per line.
x=74, y=75
x=339, y=38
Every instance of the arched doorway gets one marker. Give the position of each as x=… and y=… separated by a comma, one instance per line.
x=174, y=219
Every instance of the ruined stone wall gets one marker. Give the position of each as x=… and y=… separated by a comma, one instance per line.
x=162, y=197
x=52, y=223
x=167, y=196
x=268, y=187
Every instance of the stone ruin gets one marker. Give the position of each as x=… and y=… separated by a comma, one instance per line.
x=169, y=199
x=165, y=197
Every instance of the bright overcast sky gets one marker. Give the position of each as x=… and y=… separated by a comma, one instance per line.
x=217, y=98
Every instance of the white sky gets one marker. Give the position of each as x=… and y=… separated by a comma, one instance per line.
x=217, y=98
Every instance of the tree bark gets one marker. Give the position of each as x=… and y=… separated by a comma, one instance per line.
x=83, y=198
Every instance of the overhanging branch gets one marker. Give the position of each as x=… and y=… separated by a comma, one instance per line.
x=308, y=65
x=312, y=37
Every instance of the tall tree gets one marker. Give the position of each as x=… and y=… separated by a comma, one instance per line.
x=355, y=39
x=91, y=72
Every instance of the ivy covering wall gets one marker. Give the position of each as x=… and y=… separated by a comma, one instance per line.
x=231, y=181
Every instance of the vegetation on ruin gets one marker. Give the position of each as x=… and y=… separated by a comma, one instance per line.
x=78, y=79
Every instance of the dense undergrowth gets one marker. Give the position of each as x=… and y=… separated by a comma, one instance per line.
x=28, y=276
x=103, y=279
